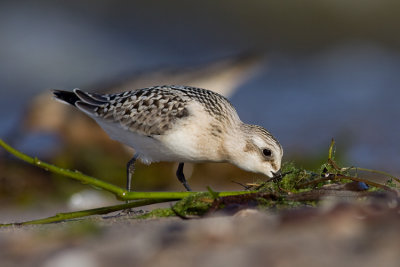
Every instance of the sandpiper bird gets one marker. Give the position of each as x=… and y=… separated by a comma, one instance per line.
x=179, y=124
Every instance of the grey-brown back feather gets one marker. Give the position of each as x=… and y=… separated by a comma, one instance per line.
x=150, y=111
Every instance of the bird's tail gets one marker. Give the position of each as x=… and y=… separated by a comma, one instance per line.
x=65, y=96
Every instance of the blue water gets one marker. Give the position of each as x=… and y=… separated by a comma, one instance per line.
x=349, y=93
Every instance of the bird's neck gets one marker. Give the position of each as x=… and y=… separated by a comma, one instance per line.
x=236, y=141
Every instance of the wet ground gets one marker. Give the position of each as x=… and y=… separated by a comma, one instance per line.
x=335, y=234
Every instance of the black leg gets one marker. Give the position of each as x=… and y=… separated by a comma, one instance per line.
x=130, y=169
x=181, y=176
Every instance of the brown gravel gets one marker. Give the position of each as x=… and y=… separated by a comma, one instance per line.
x=339, y=234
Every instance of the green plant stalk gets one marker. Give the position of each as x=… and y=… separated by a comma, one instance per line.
x=78, y=214
x=340, y=176
x=368, y=182
x=168, y=196
x=120, y=193
x=331, y=149
x=375, y=171
x=85, y=179
x=331, y=161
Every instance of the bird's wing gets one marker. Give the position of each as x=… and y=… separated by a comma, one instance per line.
x=148, y=111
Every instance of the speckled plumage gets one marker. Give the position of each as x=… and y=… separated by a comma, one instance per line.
x=180, y=123
x=153, y=111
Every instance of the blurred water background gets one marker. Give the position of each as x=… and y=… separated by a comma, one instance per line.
x=330, y=69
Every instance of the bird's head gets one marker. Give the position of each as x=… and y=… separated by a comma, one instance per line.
x=260, y=152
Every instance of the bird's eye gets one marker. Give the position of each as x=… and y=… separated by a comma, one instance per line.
x=267, y=152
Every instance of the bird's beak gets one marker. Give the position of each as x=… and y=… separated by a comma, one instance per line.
x=277, y=174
